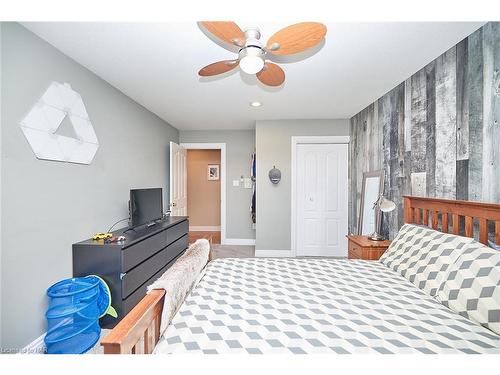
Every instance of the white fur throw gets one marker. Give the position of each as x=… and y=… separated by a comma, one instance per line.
x=179, y=279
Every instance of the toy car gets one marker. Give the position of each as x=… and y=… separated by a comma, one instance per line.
x=101, y=236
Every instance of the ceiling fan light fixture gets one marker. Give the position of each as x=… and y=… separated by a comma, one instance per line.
x=252, y=52
x=251, y=60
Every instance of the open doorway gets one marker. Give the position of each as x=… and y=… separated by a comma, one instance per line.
x=179, y=189
x=204, y=194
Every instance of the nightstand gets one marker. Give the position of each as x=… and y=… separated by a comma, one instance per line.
x=360, y=247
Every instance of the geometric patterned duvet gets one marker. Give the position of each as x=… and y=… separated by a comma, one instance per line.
x=310, y=305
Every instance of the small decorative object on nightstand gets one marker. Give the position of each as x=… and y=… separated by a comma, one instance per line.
x=361, y=247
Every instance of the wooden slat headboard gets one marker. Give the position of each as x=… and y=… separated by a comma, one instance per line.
x=440, y=214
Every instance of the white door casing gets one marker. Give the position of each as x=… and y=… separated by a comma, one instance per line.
x=222, y=148
x=321, y=199
x=178, y=180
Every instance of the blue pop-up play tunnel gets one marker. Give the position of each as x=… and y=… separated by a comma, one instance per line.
x=75, y=306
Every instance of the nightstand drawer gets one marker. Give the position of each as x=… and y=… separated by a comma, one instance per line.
x=373, y=254
x=355, y=252
x=361, y=247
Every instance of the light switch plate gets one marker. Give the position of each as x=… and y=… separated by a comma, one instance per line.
x=248, y=183
x=236, y=183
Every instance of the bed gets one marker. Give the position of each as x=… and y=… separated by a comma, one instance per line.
x=318, y=305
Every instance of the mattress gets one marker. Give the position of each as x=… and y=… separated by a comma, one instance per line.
x=311, y=305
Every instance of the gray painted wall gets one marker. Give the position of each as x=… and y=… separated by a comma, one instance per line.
x=438, y=130
x=240, y=144
x=1, y=127
x=47, y=206
x=273, y=141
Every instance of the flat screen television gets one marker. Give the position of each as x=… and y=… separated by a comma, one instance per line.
x=146, y=206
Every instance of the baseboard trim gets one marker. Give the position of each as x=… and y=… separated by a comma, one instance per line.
x=204, y=229
x=273, y=253
x=37, y=346
x=239, y=241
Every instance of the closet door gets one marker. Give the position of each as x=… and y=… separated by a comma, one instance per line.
x=322, y=199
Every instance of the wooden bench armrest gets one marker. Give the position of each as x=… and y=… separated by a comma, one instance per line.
x=141, y=323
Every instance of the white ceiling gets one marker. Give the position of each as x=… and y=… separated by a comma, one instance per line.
x=156, y=64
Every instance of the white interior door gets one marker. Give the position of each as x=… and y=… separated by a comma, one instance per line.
x=322, y=199
x=178, y=180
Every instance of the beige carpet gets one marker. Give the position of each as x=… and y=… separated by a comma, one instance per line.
x=233, y=251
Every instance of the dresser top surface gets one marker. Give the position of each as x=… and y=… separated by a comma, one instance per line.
x=138, y=234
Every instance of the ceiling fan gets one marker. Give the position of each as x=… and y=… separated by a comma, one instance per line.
x=251, y=52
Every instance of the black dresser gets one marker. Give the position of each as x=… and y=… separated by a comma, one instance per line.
x=130, y=266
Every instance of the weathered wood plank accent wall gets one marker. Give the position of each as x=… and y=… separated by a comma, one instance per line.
x=437, y=134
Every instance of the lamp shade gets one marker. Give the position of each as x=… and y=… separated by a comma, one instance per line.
x=386, y=205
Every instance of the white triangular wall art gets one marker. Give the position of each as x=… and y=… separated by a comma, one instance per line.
x=40, y=126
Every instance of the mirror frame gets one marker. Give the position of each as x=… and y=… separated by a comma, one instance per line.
x=380, y=174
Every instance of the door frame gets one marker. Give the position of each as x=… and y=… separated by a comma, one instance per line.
x=222, y=148
x=171, y=170
x=315, y=139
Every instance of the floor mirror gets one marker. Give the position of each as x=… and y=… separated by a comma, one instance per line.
x=369, y=214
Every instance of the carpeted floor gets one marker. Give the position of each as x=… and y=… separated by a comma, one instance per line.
x=233, y=251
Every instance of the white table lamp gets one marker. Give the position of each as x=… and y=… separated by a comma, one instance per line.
x=384, y=205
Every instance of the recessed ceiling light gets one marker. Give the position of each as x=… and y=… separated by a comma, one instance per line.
x=255, y=103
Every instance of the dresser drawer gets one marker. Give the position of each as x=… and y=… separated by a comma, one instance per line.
x=177, y=231
x=177, y=247
x=140, y=251
x=133, y=299
x=135, y=277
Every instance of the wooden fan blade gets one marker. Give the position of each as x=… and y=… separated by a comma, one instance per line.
x=218, y=68
x=229, y=32
x=271, y=75
x=296, y=38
